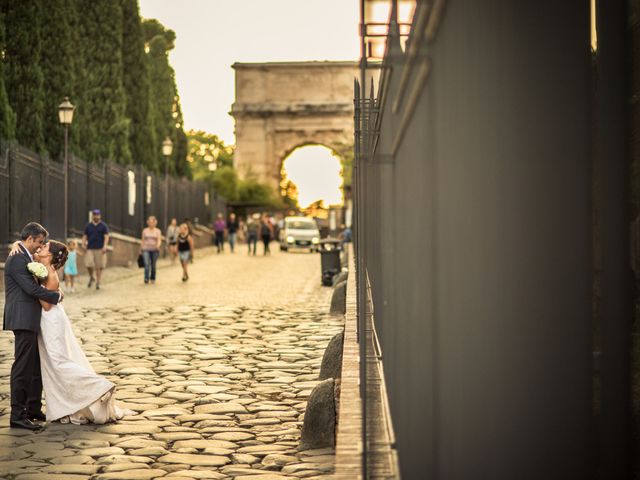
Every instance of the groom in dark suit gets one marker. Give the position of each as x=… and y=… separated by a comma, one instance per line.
x=22, y=312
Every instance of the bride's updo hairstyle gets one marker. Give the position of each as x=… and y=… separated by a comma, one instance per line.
x=59, y=253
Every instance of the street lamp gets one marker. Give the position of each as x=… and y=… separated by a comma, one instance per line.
x=65, y=115
x=167, y=148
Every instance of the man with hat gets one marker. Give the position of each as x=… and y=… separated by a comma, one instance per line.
x=95, y=240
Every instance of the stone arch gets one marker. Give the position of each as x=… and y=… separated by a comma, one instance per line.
x=335, y=147
x=282, y=106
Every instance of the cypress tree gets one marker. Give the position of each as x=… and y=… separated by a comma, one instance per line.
x=103, y=96
x=165, y=99
x=161, y=91
x=23, y=75
x=144, y=146
x=7, y=116
x=58, y=68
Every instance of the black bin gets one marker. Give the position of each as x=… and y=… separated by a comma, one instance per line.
x=330, y=265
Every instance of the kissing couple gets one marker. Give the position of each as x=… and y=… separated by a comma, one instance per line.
x=47, y=353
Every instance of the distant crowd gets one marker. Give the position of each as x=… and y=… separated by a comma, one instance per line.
x=179, y=237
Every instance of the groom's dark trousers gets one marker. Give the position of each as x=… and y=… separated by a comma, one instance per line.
x=22, y=312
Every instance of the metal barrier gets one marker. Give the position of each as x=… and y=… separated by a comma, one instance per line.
x=491, y=236
x=32, y=189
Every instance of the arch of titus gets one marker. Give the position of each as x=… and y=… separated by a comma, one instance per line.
x=281, y=106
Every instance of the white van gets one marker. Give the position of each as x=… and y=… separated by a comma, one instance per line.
x=299, y=232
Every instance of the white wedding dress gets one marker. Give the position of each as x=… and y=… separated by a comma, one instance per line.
x=73, y=391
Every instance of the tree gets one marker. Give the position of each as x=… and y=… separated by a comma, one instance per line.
x=143, y=142
x=23, y=75
x=251, y=191
x=58, y=68
x=7, y=116
x=163, y=95
x=104, y=97
x=211, y=160
x=289, y=194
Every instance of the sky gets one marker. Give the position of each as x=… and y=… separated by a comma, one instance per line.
x=211, y=35
x=316, y=172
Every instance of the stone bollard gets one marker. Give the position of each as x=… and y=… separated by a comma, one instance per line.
x=341, y=277
x=319, y=427
x=331, y=366
x=339, y=299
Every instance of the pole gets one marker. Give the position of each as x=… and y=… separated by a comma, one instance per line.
x=360, y=251
x=66, y=181
x=166, y=189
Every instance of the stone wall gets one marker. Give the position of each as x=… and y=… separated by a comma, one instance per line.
x=284, y=105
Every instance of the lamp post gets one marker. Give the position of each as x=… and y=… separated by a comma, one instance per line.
x=167, y=148
x=65, y=115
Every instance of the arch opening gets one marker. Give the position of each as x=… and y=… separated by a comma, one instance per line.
x=312, y=175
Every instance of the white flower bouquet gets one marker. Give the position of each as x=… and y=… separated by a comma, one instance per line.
x=38, y=270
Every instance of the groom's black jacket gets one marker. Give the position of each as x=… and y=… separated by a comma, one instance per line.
x=22, y=309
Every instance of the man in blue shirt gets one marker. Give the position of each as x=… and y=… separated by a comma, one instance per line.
x=95, y=240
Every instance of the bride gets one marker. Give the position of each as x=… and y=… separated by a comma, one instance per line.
x=73, y=391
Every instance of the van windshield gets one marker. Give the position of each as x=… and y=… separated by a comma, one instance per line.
x=301, y=225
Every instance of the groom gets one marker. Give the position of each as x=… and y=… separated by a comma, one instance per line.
x=22, y=312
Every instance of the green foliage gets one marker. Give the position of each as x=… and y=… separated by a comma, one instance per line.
x=23, y=74
x=226, y=183
x=165, y=100
x=58, y=69
x=105, y=98
x=207, y=150
x=143, y=143
x=253, y=192
x=113, y=67
x=7, y=116
x=152, y=28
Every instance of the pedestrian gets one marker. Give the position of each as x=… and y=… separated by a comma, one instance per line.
x=71, y=266
x=185, y=249
x=345, y=235
x=219, y=227
x=150, y=242
x=266, y=232
x=232, y=227
x=172, y=239
x=95, y=241
x=253, y=230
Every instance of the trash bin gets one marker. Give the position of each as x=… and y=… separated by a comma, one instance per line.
x=330, y=264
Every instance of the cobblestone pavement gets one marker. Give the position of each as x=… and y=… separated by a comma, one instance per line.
x=219, y=370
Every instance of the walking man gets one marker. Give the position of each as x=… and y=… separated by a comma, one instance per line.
x=95, y=240
x=22, y=311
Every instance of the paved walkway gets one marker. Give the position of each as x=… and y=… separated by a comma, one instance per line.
x=219, y=370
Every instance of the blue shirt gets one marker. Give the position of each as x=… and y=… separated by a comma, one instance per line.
x=95, y=235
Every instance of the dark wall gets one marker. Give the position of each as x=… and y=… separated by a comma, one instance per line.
x=478, y=243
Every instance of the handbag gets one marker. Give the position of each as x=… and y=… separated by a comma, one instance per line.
x=140, y=261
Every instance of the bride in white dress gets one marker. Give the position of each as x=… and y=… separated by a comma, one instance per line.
x=73, y=391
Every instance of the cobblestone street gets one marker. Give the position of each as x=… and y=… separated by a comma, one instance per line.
x=218, y=369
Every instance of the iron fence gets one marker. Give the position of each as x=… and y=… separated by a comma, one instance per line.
x=32, y=189
x=491, y=194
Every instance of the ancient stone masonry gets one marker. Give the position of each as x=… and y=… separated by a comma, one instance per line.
x=282, y=106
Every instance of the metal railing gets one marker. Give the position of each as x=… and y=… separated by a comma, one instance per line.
x=32, y=189
x=490, y=171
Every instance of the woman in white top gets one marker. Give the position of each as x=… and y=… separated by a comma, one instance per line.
x=150, y=248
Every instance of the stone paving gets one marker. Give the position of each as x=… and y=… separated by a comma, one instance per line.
x=220, y=388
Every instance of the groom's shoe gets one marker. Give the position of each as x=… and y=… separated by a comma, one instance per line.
x=37, y=417
x=25, y=423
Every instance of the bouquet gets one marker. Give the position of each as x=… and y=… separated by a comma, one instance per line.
x=38, y=270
